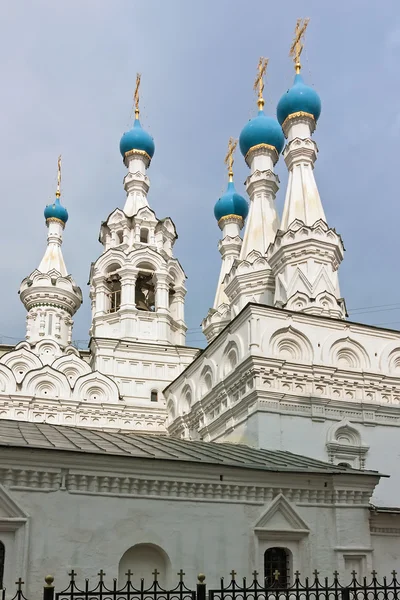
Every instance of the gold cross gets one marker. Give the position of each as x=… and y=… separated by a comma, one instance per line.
x=276, y=574
x=259, y=81
x=229, y=160
x=136, y=95
x=155, y=573
x=58, y=192
x=233, y=575
x=101, y=575
x=297, y=45
x=129, y=574
x=181, y=575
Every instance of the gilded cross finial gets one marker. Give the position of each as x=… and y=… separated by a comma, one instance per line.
x=136, y=95
x=229, y=160
x=297, y=45
x=58, y=191
x=259, y=81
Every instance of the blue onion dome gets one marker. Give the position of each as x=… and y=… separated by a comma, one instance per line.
x=231, y=203
x=137, y=139
x=261, y=130
x=299, y=98
x=56, y=211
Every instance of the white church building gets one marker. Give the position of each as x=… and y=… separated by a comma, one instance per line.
x=275, y=447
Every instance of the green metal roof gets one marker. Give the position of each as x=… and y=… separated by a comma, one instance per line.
x=46, y=436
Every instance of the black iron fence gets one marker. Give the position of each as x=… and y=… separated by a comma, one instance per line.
x=254, y=588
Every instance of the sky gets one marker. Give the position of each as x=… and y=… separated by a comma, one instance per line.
x=68, y=72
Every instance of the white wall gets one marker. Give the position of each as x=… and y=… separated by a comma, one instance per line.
x=199, y=523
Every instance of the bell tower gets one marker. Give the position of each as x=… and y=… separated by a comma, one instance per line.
x=137, y=287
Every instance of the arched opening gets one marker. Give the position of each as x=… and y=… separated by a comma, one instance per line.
x=114, y=294
x=344, y=464
x=144, y=235
x=120, y=237
x=186, y=400
x=142, y=560
x=145, y=295
x=154, y=396
x=231, y=360
x=2, y=559
x=276, y=567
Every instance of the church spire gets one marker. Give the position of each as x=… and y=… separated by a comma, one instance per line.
x=49, y=294
x=230, y=210
x=306, y=253
x=298, y=112
x=56, y=217
x=261, y=141
x=137, y=149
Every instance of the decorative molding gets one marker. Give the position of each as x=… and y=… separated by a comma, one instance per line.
x=88, y=482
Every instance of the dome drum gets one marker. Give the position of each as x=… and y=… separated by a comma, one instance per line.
x=301, y=120
x=259, y=150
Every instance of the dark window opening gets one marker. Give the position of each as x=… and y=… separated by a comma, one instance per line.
x=343, y=464
x=144, y=236
x=154, y=396
x=145, y=292
x=120, y=236
x=114, y=285
x=276, y=567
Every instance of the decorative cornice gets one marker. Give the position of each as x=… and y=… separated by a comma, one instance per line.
x=140, y=152
x=55, y=220
x=231, y=219
x=88, y=482
x=297, y=115
x=262, y=147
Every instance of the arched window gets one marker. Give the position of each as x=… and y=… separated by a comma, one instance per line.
x=343, y=464
x=145, y=295
x=2, y=557
x=114, y=295
x=154, y=396
x=276, y=567
x=144, y=236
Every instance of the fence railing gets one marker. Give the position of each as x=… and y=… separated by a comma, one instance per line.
x=315, y=588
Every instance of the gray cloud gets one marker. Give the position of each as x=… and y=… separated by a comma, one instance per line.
x=68, y=72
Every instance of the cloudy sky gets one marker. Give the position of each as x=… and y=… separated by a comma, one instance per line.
x=67, y=76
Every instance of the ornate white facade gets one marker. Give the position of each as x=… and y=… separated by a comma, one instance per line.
x=283, y=370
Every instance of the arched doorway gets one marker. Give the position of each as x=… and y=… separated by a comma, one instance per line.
x=143, y=560
x=276, y=567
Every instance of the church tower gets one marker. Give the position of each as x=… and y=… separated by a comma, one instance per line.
x=49, y=294
x=230, y=211
x=137, y=287
x=250, y=278
x=306, y=253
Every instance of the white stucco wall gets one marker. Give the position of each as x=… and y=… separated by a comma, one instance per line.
x=294, y=379
x=79, y=516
